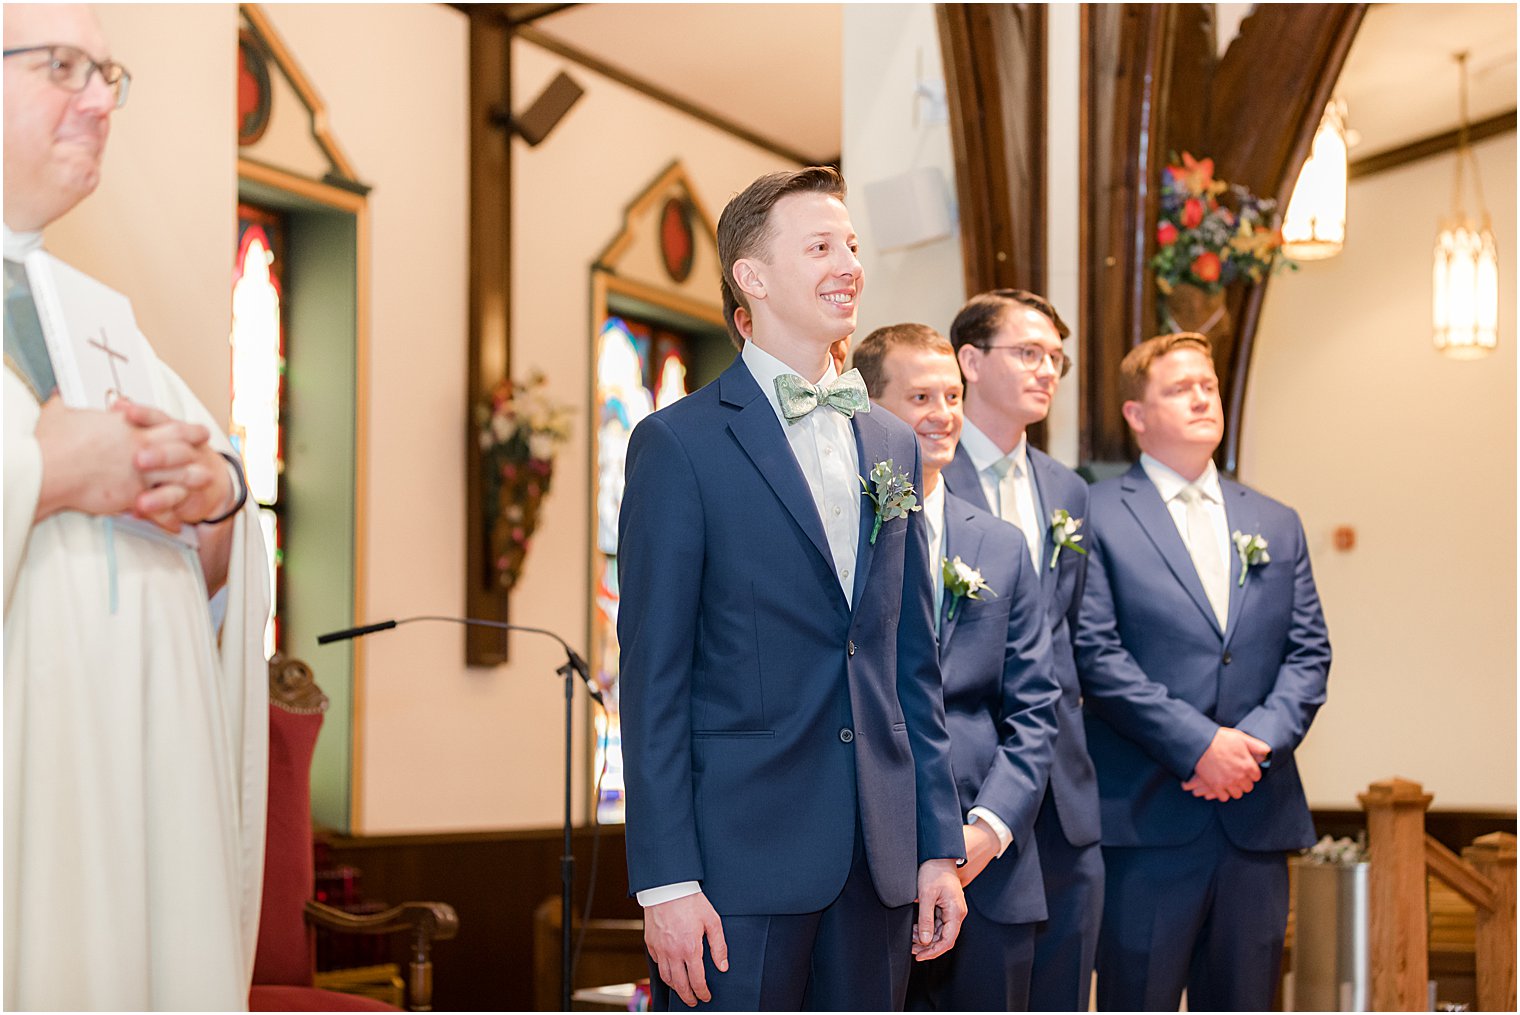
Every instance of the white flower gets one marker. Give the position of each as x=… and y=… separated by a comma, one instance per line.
x=541, y=445
x=1252, y=551
x=1063, y=534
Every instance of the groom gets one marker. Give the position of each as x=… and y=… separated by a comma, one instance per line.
x=789, y=788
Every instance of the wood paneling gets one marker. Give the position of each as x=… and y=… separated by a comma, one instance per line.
x=494, y=881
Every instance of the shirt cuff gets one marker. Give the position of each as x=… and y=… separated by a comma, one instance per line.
x=1005, y=837
x=668, y=893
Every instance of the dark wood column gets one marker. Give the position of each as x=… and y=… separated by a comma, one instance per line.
x=490, y=307
x=994, y=61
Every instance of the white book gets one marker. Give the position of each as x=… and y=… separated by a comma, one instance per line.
x=98, y=353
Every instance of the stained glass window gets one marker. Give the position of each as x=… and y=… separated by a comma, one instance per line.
x=627, y=389
x=258, y=374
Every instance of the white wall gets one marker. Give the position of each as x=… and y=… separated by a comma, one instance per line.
x=1355, y=420
x=888, y=50
x=161, y=227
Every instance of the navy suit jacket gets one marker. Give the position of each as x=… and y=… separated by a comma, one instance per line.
x=762, y=717
x=1073, y=783
x=1161, y=677
x=1000, y=703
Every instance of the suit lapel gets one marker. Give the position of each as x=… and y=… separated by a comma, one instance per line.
x=1241, y=518
x=759, y=433
x=964, y=541
x=871, y=446
x=1145, y=503
x=960, y=478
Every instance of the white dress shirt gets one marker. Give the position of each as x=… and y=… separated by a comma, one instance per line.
x=1170, y=484
x=823, y=442
x=1008, y=484
x=934, y=521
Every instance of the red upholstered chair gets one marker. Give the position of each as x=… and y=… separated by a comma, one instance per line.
x=282, y=972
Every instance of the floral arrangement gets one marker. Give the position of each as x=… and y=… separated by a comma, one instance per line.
x=1211, y=233
x=519, y=429
x=1338, y=851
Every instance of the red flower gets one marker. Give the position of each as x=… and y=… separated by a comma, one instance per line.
x=1166, y=234
x=1205, y=267
x=1192, y=213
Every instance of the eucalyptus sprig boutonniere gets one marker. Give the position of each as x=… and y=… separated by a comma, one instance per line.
x=1252, y=551
x=962, y=581
x=1063, y=535
x=893, y=496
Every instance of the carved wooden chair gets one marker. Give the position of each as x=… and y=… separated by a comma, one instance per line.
x=283, y=978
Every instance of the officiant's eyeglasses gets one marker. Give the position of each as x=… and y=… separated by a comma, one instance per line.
x=70, y=68
x=1031, y=356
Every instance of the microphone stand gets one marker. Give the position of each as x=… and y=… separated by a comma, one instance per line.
x=573, y=665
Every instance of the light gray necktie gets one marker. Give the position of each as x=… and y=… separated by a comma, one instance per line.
x=1203, y=547
x=1012, y=509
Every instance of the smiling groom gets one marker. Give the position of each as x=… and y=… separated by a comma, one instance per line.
x=789, y=790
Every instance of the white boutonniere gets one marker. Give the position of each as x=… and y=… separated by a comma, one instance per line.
x=962, y=581
x=1252, y=551
x=1063, y=535
x=893, y=496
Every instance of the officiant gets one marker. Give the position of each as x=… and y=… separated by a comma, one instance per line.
x=135, y=703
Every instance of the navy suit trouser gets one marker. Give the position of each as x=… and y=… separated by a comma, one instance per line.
x=987, y=970
x=1066, y=943
x=852, y=956
x=1206, y=916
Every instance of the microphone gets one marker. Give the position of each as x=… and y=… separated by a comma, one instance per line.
x=573, y=660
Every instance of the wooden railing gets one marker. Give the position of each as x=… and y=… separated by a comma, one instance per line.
x=1398, y=934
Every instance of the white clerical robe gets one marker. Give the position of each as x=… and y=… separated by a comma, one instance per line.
x=136, y=747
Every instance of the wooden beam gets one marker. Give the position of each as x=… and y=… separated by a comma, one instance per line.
x=1493, y=856
x=994, y=61
x=490, y=315
x=646, y=88
x=1398, y=935
x=1462, y=878
x=1435, y=144
x=1124, y=49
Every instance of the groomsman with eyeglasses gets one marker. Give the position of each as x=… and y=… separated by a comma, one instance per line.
x=1009, y=346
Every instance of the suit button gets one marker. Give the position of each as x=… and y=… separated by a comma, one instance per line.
x=852, y=648
x=846, y=735
x=1227, y=658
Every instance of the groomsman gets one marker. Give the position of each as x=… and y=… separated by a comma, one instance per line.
x=1000, y=693
x=1008, y=343
x=1204, y=658
x=789, y=785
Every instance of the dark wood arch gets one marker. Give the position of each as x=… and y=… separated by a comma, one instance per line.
x=1152, y=84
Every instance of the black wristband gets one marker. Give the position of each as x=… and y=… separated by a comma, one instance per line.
x=242, y=497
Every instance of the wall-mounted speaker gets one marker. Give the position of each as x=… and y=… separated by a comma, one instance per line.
x=548, y=109
x=909, y=209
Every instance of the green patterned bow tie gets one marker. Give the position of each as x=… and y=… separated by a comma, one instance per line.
x=847, y=395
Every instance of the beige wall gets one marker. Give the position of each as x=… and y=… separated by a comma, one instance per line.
x=162, y=224
x=1354, y=419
